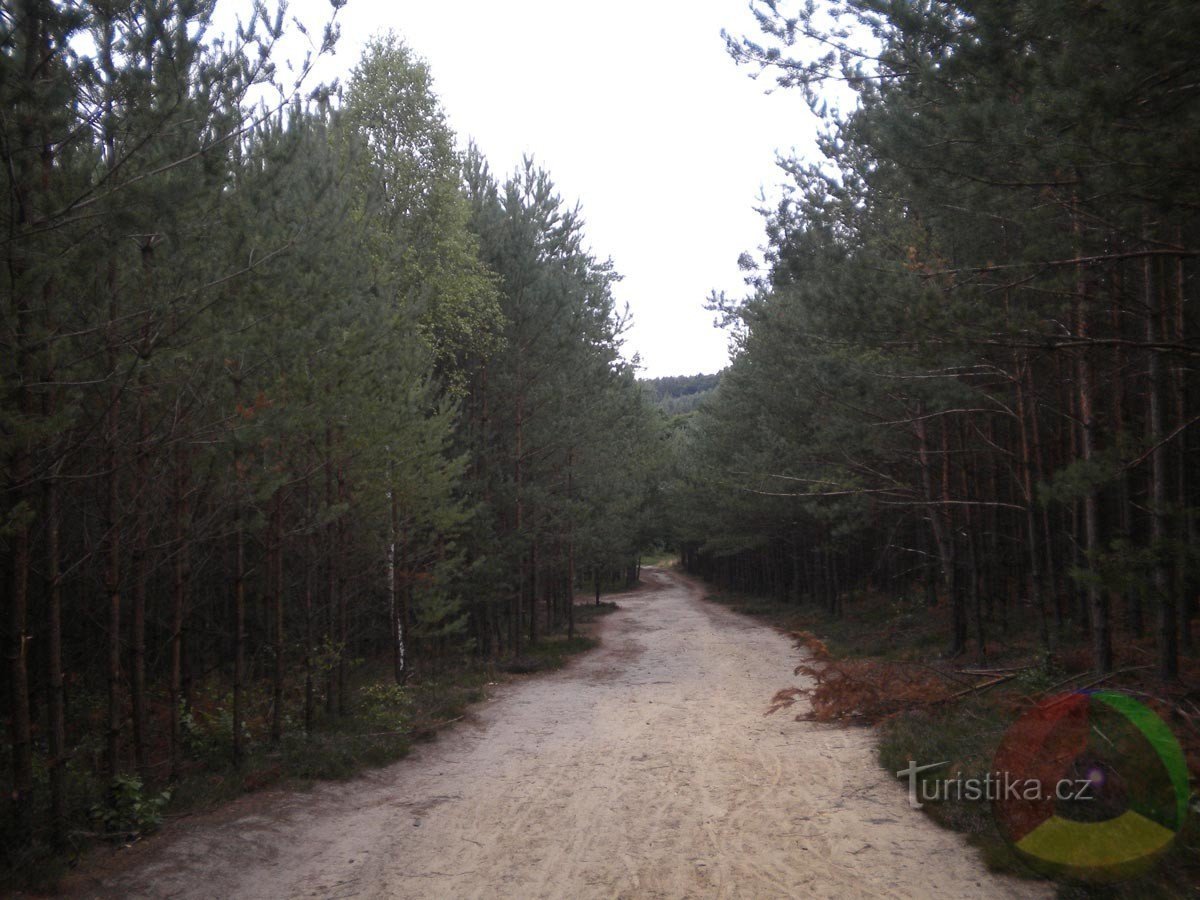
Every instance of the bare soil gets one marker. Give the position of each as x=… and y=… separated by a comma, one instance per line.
x=645, y=768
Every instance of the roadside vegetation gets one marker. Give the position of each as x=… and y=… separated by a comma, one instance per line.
x=310, y=422
x=384, y=722
x=955, y=452
x=878, y=665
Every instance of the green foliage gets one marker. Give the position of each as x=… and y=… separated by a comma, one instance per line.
x=207, y=732
x=1082, y=477
x=127, y=810
x=952, y=369
x=426, y=254
x=547, y=655
x=287, y=388
x=589, y=612
x=679, y=394
x=565, y=437
x=386, y=706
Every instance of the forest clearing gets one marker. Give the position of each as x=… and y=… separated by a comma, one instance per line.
x=646, y=768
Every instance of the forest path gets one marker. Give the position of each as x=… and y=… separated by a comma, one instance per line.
x=646, y=768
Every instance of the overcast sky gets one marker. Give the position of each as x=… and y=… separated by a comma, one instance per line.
x=637, y=112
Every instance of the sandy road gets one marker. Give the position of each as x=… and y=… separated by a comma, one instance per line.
x=644, y=769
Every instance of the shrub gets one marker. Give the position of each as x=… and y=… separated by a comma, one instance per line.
x=126, y=811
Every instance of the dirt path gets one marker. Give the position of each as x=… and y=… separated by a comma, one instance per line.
x=644, y=769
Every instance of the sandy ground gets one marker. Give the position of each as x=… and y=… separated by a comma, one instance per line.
x=644, y=769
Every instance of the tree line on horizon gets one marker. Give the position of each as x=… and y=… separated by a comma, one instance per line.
x=678, y=394
x=965, y=368
x=287, y=386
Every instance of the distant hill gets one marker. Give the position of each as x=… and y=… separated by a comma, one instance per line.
x=677, y=394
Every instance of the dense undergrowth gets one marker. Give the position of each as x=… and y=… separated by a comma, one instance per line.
x=884, y=665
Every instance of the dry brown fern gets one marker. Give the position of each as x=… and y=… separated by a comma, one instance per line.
x=860, y=689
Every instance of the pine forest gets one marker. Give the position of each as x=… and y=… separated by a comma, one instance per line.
x=314, y=423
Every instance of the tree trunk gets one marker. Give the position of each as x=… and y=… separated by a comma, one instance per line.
x=331, y=580
x=179, y=584
x=1097, y=597
x=18, y=664
x=1187, y=519
x=310, y=544
x=935, y=512
x=343, y=702
x=536, y=587
x=971, y=529
x=1168, y=646
x=112, y=523
x=396, y=590
x=276, y=578
x=56, y=733
x=570, y=546
x=518, y=597
x=1029, y=478
x=958, y=602
x=1047, y=534
x=141, y=563
x=30, y=40
x=239, y=631
x=1131, y=597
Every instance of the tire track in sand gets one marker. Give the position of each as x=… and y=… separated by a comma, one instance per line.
x=644, y=769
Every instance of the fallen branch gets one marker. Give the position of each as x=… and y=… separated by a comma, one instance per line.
x=997, y=671
x=979, y=687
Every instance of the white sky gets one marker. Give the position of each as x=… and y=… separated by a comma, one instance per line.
x=637, y=111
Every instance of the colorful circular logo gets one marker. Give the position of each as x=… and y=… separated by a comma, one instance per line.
x=1093, y=787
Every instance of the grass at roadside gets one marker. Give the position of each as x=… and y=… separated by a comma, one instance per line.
x=586, y=613
x=884, y=663
x=386, y=721
x=552, y=652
